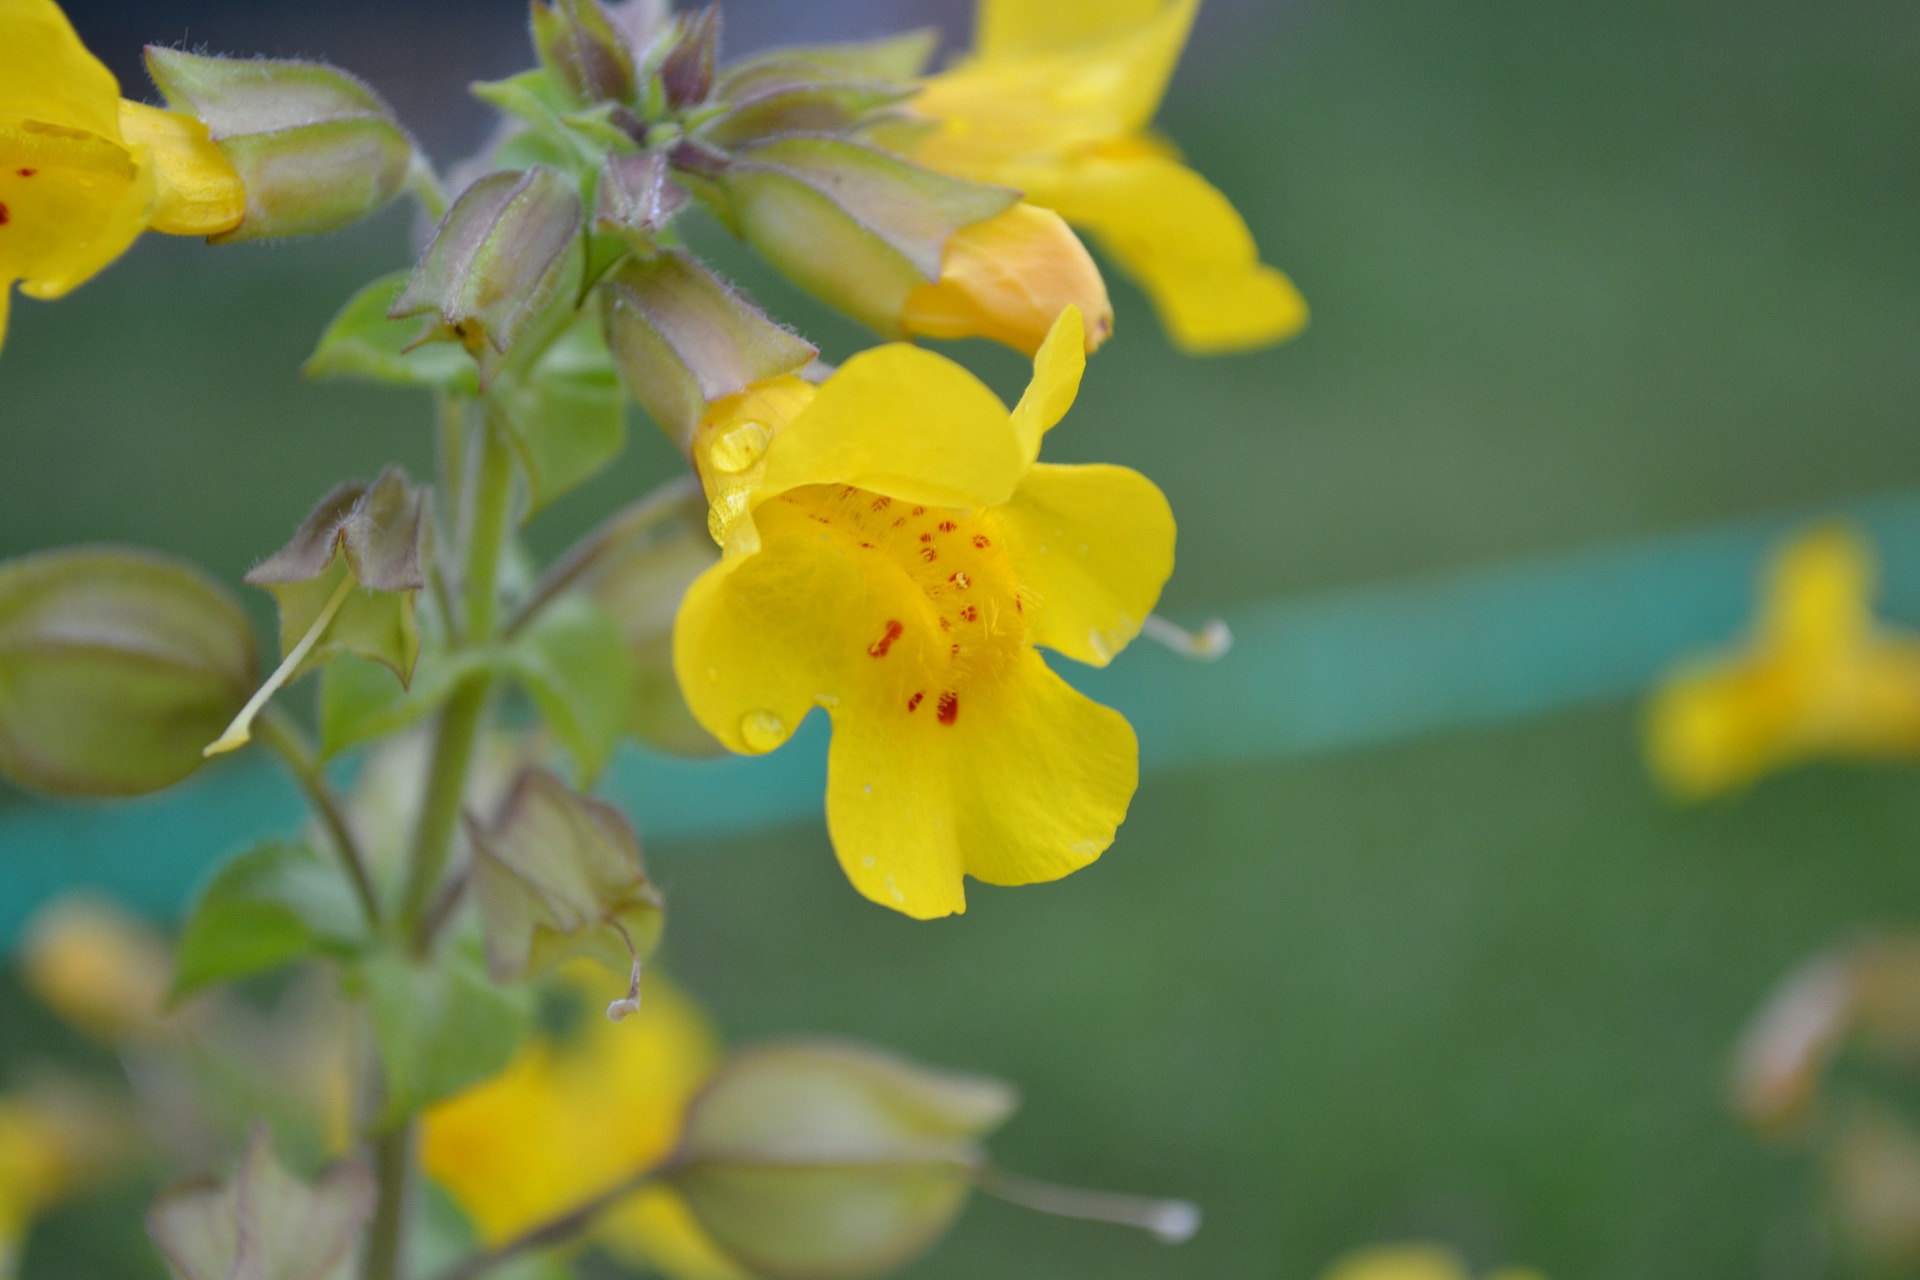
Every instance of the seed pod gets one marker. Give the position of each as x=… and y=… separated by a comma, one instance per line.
x=116, y=667
x=315, y=147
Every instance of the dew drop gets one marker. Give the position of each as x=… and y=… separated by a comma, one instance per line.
x=762, y=730
x=740, y=448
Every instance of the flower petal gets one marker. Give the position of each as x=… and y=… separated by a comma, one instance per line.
x=1010, y=27
x=1057, y=369
x=46, y=74
x=902, y=422
x=197, y=191
x=1009, y=279
x=1113, y=58
x=1819, y=592
x=1187, y=245
x=1025, y=781
x=73, y=202
x=1092, y=547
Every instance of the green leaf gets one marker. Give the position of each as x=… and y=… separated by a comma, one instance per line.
x=363, y=343
x=116, y=668
x=361, y=700
x=570, y=418
x=573, y=662
x=440, y=1026
x=269, y=907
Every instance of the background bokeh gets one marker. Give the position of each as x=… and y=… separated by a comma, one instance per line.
x=1579, y=273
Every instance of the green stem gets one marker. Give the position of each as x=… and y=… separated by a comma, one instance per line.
x=460, y=719
x=277, y=731
x=552, y=1232
x=393, y=1175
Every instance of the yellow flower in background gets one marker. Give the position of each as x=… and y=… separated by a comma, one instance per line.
x=1056, y=101
x=82, y=172
x=1008, y=279
x=99, y=968
x=893, y=553
x=55, y=1143
x=1819, y=678
x=576, y=1114
x=1413, y=1262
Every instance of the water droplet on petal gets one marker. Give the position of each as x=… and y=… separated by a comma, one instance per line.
x=762, y=730
x=740, y=448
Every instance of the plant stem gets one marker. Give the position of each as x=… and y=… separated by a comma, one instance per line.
x=553, y=1231
x=393, y=1173
x=664, y=503
x=277, y=731
x=460, y=719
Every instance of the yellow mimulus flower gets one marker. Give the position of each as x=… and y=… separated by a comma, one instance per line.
x=1818, y=679
x=1056, y=101
x=893, y=552
x=83, y=173
x=1413, y=1262
x=577, y=1114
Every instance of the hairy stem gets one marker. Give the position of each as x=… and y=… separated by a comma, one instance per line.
x=663, y=504
x=278, y=732
x=552, y=1232
x=393, y=1174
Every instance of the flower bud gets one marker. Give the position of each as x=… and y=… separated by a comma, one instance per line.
x=682, y=339
x=116, y=666
x=315, y=147
x=1008, y=279
x=636, y=196
x=505, y=250
x=686, y=73
x=833, y=1162
x=558, y=875
x=858, y=227
x=578, y=43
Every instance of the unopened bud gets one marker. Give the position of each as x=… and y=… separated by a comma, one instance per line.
x=636, y=196
x=1008, y=279
x=315, y=147
x=682, y=340
x=578, y=43
x=856, y=226
x=831, y=1161
x=112, y=664
x=686, y=73
x=505, y=250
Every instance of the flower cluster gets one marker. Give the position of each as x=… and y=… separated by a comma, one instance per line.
x=877, y=538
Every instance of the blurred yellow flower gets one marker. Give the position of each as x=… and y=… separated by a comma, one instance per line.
x=1008, y=279
x=1413, y=1262
x=82, y=172
x=893, y=552
x=1056, y=102
x=1819, y=678
x=576, y=1114
x=100, y=969
x=55, y=1142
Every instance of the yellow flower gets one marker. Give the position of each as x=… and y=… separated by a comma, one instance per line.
x=575, y=1115
x=55, y=1142
x=1413, y=1262
x=1056, y=102
x=1008, y=279
x=893, y=552
x=82, y=172
x=100, y=969
x=1818, y=678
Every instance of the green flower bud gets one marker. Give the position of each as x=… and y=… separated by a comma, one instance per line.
x=116, y=667
x=263, y=1223
x=558, y=875
x=316, y=148
x=828, y=1161
x=503, y=253
x=686, y=73
x=578, y=43
x=682, y=339
x=856, y=226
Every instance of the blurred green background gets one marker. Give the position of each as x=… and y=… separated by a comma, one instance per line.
x=1579, y=273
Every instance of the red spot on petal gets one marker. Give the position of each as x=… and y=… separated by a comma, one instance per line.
x=982, y=541
x=948, y=526
x=913, y=703
x=823, y=519
x=867, y=545
x=949, y=707
x=969, y=614
x=27, y=173
x=919, y=511
x=945, y=625
x=4, y=215
x=1017, y=606
x=955, y=651
x=929, y=554
x=882, y=503
x=878, y=648
x=960, y=579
